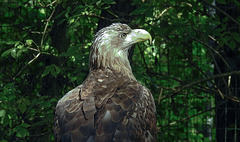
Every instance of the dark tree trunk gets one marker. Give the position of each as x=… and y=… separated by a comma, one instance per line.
x=228, y=112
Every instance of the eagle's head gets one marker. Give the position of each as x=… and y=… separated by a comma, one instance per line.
x=110, y=47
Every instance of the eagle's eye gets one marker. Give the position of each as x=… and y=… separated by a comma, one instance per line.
x=123, y=35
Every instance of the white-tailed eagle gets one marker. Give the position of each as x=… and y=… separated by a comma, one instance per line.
x=110, y=105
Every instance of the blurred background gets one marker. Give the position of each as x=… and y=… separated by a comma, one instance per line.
x=192, y=68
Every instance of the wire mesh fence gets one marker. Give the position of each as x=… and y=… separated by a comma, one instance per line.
x=188, y=114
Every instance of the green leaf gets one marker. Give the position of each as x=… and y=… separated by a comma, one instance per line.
x=58, y=70
x=236, y=36
x=66, y=15
x=226, y=40
x=22, y=107
x=53, y=100
x=46, y=71
x=98, y=2
x=63, y=54
x=72, y=50
x=14, y=53
x=60, y=14
x=21, y=131
x=53, y=69
x=25, y=125
x=232, y=44
x=2, y=113
x=78, y=9
x=7, y=52
x=22, y=50
x=10, y=42
x=5, y=121
x=61, y=21
x=109, y=1
x=74, y=78
x=29, y=41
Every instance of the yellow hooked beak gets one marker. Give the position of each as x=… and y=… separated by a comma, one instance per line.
x=138, y=35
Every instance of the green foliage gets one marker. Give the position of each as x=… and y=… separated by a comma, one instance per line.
x=22, y=116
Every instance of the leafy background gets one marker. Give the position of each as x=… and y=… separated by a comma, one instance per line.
x=45, y=50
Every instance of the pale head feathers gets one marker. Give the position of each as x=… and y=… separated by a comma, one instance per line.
x=110, y=46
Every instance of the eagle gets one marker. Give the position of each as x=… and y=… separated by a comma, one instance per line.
x=110, y=105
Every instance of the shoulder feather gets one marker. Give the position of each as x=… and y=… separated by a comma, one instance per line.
x=106, y=107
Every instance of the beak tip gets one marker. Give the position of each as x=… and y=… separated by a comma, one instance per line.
x=142, y=35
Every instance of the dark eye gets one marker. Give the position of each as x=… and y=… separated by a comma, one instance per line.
x=123, y=35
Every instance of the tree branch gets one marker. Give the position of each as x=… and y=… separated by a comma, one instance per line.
x=38, y=47
x=189, y=117
x=206, y=79
x=178, y=89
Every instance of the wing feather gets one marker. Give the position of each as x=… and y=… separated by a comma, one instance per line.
x=70, y=121
x=106, y=108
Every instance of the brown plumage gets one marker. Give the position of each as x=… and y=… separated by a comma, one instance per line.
x=110, y=105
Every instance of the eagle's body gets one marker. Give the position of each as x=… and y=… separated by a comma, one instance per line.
x=110, y=105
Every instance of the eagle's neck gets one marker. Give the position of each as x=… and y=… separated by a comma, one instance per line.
x=105, y=57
